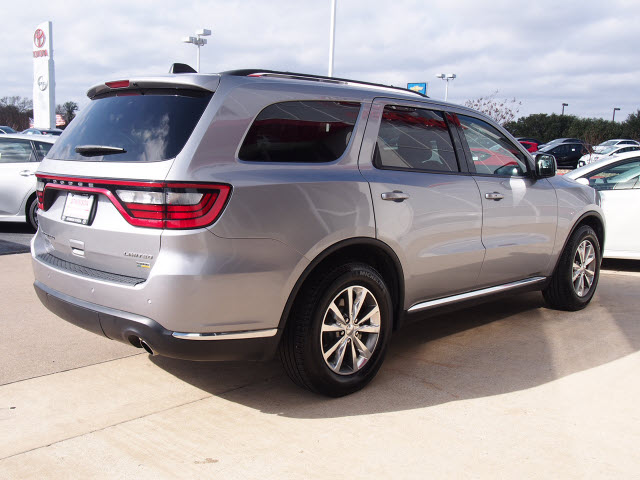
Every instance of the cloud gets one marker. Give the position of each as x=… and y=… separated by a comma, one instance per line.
x=582, y=53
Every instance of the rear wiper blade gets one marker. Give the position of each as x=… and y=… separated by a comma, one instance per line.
x=95, y=150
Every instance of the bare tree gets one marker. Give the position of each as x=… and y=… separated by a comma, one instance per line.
x=501, y=110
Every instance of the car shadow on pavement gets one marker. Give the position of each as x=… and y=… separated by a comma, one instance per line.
x=495, y=348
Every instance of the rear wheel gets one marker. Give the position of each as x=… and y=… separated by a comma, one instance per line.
x=576, y=277
x=32, y=213
x=336, y=337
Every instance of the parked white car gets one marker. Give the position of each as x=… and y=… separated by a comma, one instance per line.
x=604, y=152
x=614, y=142
x=20, y=156
x=618, y=181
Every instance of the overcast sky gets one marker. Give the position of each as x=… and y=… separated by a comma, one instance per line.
x=584, y=53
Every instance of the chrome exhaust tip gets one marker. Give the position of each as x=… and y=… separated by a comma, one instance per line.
x=146, y=347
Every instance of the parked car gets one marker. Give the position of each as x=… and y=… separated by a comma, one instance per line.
x=43, y=131
x=19, y=159
x=606, y=152
x=5, y=129
x=530, y=146
x=567, y=155
x=613, y=143
x=227, y=216
x=557, y=141
x=617, y=181
x=529, y=139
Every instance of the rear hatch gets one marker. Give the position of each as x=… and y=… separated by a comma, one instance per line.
x=101, y=189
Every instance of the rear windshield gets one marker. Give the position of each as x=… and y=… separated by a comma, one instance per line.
x=150, y=126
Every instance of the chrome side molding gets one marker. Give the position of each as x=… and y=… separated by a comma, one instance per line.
x=227, y=335
x=476, y=293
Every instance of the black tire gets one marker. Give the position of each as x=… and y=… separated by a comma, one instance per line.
x=304, y=341
x=562, y=293
x=32, y=213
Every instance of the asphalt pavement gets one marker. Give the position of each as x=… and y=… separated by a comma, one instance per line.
x=508, y=389
x=14, y=237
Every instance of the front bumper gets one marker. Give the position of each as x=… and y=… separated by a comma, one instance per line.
x=131, y=328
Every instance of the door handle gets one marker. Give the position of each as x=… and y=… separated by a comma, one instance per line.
x=27, y=173
x=395, y=196
x=493, y=196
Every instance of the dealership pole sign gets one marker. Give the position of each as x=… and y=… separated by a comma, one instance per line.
x=44, y=83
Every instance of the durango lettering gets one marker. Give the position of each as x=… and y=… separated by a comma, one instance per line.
x=40, y=53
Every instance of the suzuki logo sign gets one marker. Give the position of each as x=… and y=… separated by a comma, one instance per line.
x=39, y=38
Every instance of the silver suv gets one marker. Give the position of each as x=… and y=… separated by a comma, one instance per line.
x=229, y=216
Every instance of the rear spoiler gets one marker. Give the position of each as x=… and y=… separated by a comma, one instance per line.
x=182, y=81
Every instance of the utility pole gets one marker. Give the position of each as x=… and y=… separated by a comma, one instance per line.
x=198, y=42
x=446, y=77
x=564, y=105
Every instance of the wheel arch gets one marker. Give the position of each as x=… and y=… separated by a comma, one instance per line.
x=368, y=250
x=595, y=221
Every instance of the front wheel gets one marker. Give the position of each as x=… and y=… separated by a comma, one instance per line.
x=576, y=277
x=336, y=338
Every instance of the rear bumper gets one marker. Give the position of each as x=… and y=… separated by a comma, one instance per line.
x=130, y=328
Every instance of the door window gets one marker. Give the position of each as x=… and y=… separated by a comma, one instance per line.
x=16, y=151
x=492, y=153
x=617, y=177
x=414, y=139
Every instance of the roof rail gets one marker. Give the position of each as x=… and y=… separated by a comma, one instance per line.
x=314, y=78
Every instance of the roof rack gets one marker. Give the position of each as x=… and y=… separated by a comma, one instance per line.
x=313, y=78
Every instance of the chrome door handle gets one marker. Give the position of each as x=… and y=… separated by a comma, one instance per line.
x=493, y=196
x=27, y=173
x=395, y=196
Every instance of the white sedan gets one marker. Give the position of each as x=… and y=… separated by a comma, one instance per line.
x=600, y=152
x=618, y=181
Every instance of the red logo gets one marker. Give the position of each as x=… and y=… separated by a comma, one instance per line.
x=39, y=38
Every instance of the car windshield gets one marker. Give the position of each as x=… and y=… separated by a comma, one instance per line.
x=145, y=126
x=608, y=143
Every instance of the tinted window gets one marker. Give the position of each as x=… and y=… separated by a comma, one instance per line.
x=618, y=177
x=491, y=151
x=43, y=148
x=414, y=138
x=150, y=126
x=15, y=151
x=313, y=131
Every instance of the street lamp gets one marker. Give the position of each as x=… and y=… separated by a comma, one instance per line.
x=564, y=105
x=198, y=42
x=614, y=113
x=447, y=77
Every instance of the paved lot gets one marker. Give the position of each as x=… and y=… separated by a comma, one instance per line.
x=505, y=390
x=14, y=237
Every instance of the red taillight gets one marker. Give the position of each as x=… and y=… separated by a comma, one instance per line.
x=152, y=204
x=118, y=84
x=40, y=193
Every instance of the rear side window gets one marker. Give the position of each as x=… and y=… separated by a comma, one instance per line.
x=149, y=125
x=15, y=151
x=307, y=132
x=415, y=139
x=43, y=148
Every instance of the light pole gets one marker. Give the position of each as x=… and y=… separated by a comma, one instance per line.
x=447, y=77
x=564, y=105
x=613, y=119
x=198, y=42
x=332, y=36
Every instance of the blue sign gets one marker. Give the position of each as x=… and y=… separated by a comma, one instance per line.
x=418, y=87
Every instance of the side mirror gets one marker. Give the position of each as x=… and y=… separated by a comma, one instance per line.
x=545, y=165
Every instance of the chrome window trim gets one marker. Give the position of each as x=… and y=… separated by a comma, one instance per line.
x=476, y=293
